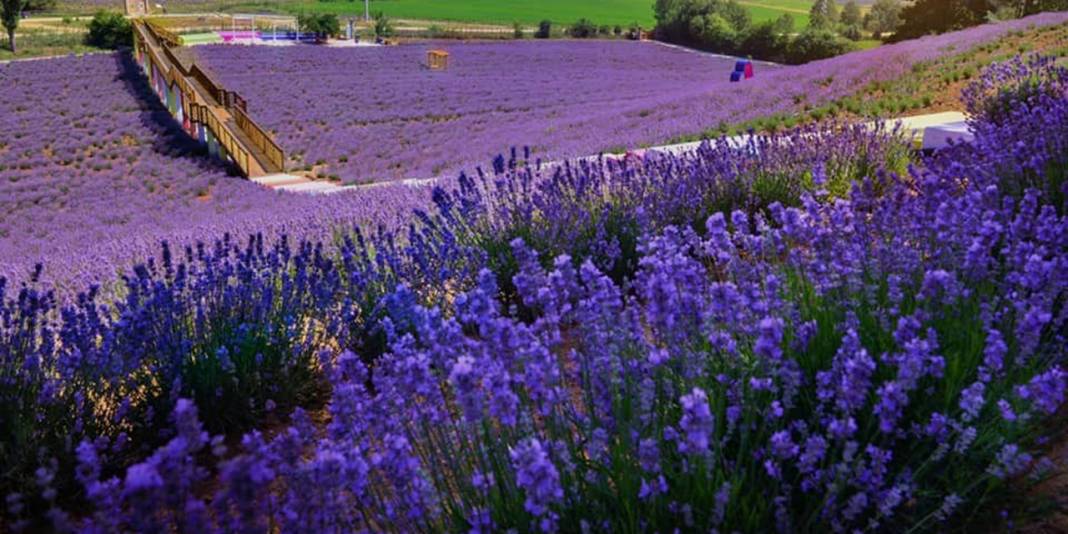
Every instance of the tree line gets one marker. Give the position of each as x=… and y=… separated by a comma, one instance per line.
x=725, y=26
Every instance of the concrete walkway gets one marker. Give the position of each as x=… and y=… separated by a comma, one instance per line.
x=930, y=132
x=935, y=130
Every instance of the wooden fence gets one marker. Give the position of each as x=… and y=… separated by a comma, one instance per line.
x=259, y=137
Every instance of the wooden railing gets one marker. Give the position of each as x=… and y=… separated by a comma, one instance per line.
x=203, y=115
x=259, y=137
x=164, y=35
x=149, y=35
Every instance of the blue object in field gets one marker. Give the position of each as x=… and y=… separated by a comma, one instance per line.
x=739, y=66
x=736, y=76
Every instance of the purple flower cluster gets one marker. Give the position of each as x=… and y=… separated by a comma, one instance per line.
x=805, y=354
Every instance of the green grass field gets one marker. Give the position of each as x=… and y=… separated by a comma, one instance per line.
x=527, y=12
x=37, y=40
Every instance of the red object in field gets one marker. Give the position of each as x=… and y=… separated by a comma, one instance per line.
x=748, y=69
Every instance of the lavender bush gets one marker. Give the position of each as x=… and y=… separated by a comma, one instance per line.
x=376, y=114
x=598, y=209
x=878, y=358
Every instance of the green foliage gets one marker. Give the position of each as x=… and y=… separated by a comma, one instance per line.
x=10, y=11
x=687, y=21
x=517, y=30
x=711, y=29
x=322, y=25
x=769, y=40
x=813, y=44
x=39, y=5
x=617, y=30
x=634, y=32
x=925, y=17
x=724, y=26
x=582, y=29
x=823, y=14
x=851, y=15
x=383, y=25
x=109, y=29
x=545, y=29
x=884, y=17
x=852, y=32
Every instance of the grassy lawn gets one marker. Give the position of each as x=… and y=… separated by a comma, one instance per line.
x=527, y=12
x=611, y=12
x=622, y=12
x=34, y=40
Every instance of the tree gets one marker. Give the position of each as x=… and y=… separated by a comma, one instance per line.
x=109, y=29
x=545, y=28
x=582, y=29
x=10, y=11
x=815, y=44
x=852, y=32
x=851, y=15
x=1030, y=7
x=714, y=31
x=924, y=17
x=823, y=14
x=687, y=21
x=38, y=5
x=383, y=25
x=322, y=25
x=770, y=39
x=884, y=17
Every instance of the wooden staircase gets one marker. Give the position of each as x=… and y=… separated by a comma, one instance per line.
x=208, y=111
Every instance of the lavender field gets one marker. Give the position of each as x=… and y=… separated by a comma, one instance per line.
x=366, y=114
x=372, y=114
x=93, y=169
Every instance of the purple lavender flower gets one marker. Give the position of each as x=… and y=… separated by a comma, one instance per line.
x=697, y=423
x=536, y=476
x=972, y=401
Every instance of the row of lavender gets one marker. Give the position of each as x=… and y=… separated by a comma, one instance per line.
x=93, y=171
x=788, y=335
x=376, y=114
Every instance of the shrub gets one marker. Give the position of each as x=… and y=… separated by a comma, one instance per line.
x=109, y=30
x=383, y=25
x=853, y=33
x=617, y=30
x=517, y=30
x=634, y=32
x=811, y=45
x=769, y=40
x=545, y=28
x=583, y=28
x=323, y=25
